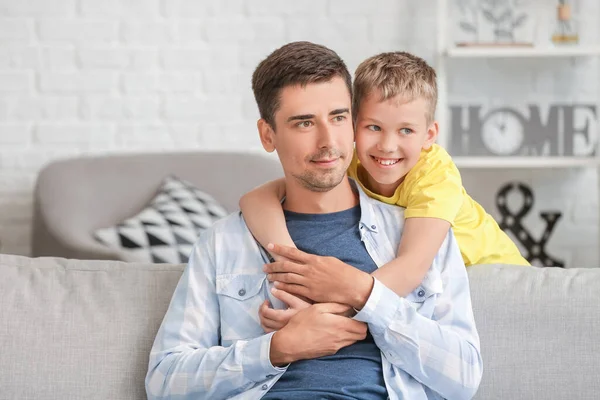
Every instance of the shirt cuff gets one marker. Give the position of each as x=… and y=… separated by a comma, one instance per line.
x=256, y=359
x=381, y=307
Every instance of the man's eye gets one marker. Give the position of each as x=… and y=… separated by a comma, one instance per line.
x=304, y=124
x=339, y=118
x=373, y=128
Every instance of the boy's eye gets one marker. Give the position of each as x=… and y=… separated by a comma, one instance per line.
x=406, y=131
x=373, y=128
x=304, y=124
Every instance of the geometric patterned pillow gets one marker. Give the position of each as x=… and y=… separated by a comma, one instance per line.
x=166, y=230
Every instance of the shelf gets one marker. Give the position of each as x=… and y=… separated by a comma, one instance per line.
x=531, y=52
x=526, y=162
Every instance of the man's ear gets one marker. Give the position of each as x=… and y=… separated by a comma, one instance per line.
x=266, y=134
x=431, y=135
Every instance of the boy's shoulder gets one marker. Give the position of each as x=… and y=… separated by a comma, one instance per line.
x=434, y=164
x=434, y=159
x=435, y=156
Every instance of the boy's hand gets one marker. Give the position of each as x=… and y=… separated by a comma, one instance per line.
x=320, y=279
x=272, y=319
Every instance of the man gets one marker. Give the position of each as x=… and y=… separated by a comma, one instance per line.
x=211, y=344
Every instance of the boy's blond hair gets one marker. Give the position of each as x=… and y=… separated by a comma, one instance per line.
x=396, y=73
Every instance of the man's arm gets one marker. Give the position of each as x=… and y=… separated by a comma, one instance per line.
x=186, y=360
x=442, y=352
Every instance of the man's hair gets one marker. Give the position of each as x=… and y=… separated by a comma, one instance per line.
x=296, y=63
x=396, y=73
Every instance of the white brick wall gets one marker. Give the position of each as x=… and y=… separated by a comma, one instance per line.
x=88, y=76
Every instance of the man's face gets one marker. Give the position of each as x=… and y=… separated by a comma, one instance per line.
x=314, y=135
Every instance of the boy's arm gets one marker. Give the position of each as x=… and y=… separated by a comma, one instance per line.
x=263, y=214
x=441, y=352
x=420, y=242
x=433, y=196
x=186, y=360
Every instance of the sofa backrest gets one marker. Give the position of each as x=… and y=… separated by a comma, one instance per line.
x=79, y=330
x=83, y=329
x=74, y=197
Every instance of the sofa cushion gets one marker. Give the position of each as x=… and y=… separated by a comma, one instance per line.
x=84, y=329
x=165, y=231
x=539, y=330
x=79, y=329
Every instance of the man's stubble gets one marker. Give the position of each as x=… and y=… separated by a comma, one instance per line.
x=326, y=179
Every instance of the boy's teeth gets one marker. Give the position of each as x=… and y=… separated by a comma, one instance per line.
x=386, y=162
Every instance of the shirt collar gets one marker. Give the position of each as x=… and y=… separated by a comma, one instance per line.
x=367, y=214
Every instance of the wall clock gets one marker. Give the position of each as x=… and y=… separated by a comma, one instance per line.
x=502, y=132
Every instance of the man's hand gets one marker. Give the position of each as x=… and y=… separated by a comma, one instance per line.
x=272, y=319
x=320, y=279
x=317, y=331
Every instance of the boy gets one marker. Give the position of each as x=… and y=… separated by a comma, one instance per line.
x=397, y=162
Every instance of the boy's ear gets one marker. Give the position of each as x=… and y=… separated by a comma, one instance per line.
x=266, y=135
x=432, y=134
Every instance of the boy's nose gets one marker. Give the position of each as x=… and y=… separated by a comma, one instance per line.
x=386, y=144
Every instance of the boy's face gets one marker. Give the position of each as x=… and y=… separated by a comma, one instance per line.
x=389, y=137
x=313, y=134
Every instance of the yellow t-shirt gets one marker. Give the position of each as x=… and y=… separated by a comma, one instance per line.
x=433, y=188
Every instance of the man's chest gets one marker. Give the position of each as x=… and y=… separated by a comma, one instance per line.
x=240, y=297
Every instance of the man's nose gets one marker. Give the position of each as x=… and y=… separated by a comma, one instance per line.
x=325, y=135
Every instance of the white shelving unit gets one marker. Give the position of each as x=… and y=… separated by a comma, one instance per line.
x=447, y=51
x=521, y=52
x=525, y=162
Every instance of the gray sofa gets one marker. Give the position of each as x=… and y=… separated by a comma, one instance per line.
x=76, y=196
x=72, y=329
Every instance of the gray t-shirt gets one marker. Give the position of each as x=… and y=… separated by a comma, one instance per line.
x=354, y=372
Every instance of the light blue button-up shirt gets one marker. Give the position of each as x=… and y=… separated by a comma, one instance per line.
x=211, y=346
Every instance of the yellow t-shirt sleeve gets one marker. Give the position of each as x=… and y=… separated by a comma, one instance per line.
x=433, y=188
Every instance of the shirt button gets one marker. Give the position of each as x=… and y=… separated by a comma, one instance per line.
x=264, y=387
x=270, y=376
x=373, y=227
x=242, y=292
x=421, y=293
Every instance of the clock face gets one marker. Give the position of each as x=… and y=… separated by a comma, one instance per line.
x=502, y=132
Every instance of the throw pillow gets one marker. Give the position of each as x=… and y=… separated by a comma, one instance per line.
x=166, y=230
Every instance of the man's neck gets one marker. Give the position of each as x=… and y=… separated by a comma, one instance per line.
x=302, y=200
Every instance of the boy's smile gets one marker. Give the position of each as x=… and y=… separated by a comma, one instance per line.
x=390, y=135
x=387, y=162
